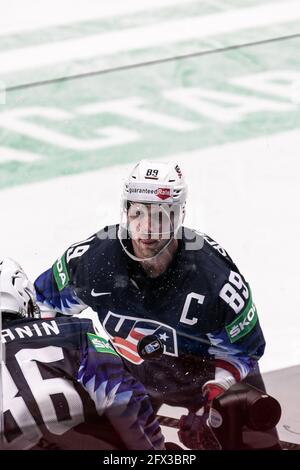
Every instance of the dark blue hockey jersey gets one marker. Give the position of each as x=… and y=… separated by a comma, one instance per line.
x=201, y=308
x=64, y=387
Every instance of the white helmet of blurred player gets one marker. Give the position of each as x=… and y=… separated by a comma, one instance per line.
x=17, y=293
x=161, y=187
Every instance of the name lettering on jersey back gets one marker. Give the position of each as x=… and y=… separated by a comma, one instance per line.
x=28, y=331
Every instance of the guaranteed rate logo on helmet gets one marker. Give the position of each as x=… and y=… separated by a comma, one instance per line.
x=150, y=192
x=163, y=193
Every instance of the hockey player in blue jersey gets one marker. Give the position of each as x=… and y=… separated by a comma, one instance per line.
x=150, y=275
x=64, y=386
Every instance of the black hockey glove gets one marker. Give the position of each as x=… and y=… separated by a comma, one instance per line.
x=195, y=432
x=194, y=429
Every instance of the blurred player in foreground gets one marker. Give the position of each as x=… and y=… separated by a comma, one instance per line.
x=63, y=386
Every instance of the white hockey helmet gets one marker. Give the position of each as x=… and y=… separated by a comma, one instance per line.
x=153, y=182
x=17, y=293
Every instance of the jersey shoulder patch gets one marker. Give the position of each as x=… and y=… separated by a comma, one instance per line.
x=100, y=344
x=65, y=265
x=60, y=273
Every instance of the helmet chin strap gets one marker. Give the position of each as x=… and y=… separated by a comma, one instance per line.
x=136, y=258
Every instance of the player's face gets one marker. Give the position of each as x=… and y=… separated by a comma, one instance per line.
x=150, y=226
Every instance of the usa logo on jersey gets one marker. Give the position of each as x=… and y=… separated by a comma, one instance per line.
x=126, y=332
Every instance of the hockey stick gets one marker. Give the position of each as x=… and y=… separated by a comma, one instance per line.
x=173, y=423
x=168, y=421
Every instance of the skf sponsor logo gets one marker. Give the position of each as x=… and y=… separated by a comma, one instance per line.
x=163, y=193
x=100, y=344
x=243, y=324
x=126, y=332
